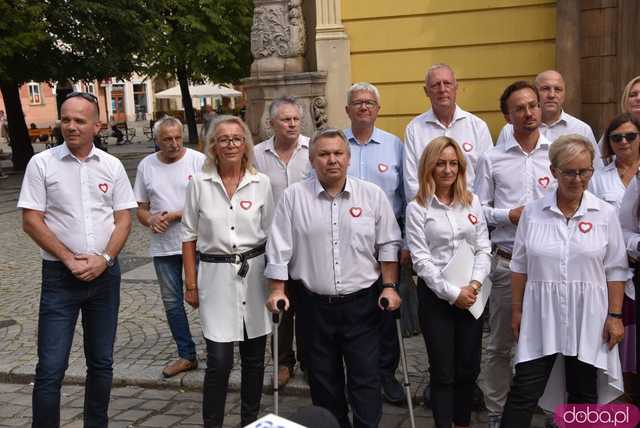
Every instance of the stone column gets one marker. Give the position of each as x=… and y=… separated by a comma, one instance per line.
x=332, y=53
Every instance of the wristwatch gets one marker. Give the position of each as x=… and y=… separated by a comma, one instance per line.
x=109, y=259
x=617, y=315
x=390, y=285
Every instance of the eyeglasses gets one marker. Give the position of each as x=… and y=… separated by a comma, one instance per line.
x=225, y=141
x=522, y=109
x=86, y=95
x=629, y=136
x=582, y=173
x=369, y=104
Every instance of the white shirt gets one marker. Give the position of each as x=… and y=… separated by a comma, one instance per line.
x=78, y=198
x=332, y=245
x=230, y=226
x=630, y=222
x=282, y=176
x=566, y=298
x=468, y=130
x=566, y=124
x=508, y=178
x=435, y=232
x=164, y=186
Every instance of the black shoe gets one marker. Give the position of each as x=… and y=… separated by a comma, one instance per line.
x=392, y=391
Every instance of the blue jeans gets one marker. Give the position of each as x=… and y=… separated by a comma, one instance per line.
x=169, y=272
x=63, y=297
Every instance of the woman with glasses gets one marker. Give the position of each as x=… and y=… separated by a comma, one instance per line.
x=568, y=268
x=226, y=216
x=444, y=220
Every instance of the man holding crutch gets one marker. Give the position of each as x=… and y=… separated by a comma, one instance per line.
x=337, y=235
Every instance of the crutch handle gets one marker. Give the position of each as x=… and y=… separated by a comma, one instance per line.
x=275, y=317
x=385, y=304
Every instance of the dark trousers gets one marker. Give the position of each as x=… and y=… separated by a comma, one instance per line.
x=344, y=331
x=216, y=379
x=530, y=381
x=63, y=298
x=453, y=339
x=290, y=326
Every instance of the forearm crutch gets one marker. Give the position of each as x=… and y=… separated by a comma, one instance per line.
x=403, y=358
x=275, y=317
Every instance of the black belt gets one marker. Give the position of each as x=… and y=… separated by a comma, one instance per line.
x=504, y=254
x=235, y=258
x=336, y=299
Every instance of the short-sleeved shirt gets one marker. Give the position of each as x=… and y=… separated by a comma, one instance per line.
x=164, y=187
x=468, y=130
x=379, y=161
x=78, y=197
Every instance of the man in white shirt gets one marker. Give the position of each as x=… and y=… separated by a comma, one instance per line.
x=444, y=118
x=160, y=189
x=555, y=121
x=284, y=158
x=75, y=202
x=338, y=306
x=508, y=177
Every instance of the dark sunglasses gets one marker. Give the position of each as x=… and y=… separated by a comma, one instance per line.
x=629, y=136
x=85, y=95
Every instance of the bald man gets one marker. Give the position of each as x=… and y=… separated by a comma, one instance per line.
x=555, y=121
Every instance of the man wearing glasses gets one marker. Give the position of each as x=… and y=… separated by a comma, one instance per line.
x=507, y=178
x=75, y=202
x=444, y=118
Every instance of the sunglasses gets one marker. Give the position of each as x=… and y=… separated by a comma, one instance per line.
x=84, y=95
x=629, y=136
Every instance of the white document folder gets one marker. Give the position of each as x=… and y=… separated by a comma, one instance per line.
x=458, y=272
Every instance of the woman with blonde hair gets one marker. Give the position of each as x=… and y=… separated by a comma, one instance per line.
x=226, y=216
x=443, y=222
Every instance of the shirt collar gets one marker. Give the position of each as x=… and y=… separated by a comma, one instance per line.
x=318, y=189
x=376, y=136
x=457, y=115
x=511, y=142
x=63, y=151
x=213, y=175
x=270, y=143
x=589, y=203
x=562, y=119
x=434, y=201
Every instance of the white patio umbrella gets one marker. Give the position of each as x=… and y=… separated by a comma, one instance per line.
x=207, y=90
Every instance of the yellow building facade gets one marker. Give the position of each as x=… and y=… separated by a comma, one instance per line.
x=488, y=43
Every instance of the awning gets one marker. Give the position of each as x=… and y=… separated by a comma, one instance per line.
x=208, y=90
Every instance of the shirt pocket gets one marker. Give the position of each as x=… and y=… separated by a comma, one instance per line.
x=363, y=234
x=611, y=198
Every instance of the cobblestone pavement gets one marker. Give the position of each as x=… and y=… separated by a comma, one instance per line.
x=144, y=344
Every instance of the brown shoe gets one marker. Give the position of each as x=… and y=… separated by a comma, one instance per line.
x=284, y=374
x=178, y=366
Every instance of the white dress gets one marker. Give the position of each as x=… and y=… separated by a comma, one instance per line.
x=566, y=298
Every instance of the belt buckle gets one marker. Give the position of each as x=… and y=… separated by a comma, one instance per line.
x=237, y=259
x=335, y=297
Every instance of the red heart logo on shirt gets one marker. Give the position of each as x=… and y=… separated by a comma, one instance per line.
x=544, y=182
x=467, y=147
x=245, y=204
x=473, y=219
x=103, y=187
x=585, y=226
x=356, y=212
x=383, y=167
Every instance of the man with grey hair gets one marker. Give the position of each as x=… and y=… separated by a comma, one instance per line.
x=160, y=189
x=285, y=159
x=444, y=118
x=376, y=156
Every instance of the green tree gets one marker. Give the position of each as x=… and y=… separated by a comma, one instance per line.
x=196, y=40
x=64, y=40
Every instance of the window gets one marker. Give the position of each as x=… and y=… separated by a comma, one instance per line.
x=91, y=88
x=34, y=93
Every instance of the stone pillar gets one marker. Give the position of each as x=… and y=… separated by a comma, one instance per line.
x=332, y=54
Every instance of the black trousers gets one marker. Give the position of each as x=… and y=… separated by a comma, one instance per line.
x=453, y=339
x=530, y=381
x=216, y=379
x=288, y=328
x=343, y=331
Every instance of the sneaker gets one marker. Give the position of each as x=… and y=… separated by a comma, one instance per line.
x=178, y=366
x=392, y=391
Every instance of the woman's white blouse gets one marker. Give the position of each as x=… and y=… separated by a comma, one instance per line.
x=629, y=218
x=434, y=233
x=230, y=226
x=607, y=185
x=568, y=265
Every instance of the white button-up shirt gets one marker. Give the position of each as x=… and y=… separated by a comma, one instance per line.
x=566, y=299
x=435, y=232
x=230, y=226
x=283, y=175
x=566, y=124
x=78, y=198
x=509, y=178
x=607, y=184
x=468, y=130
x=332, y=245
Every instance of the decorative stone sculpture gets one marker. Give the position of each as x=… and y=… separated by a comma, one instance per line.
x=318, y=111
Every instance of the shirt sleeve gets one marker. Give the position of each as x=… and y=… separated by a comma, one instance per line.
x=616, y=266
x=629, y=219
x=388, y=236
x=191, y=212
x=410, y=162
x=33, y=194
x=484, y=187
x=481, y=245
x=485, y=142
x=421, y=255
x=139, y=188
x=123, y=197
x=267, y=208
x=280, y=241
x=519, y=254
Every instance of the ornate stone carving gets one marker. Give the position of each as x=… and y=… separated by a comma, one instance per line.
x=278, y=30
x=297, y=29
x=318, y=112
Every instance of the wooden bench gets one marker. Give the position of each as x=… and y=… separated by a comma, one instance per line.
x=42, y=136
